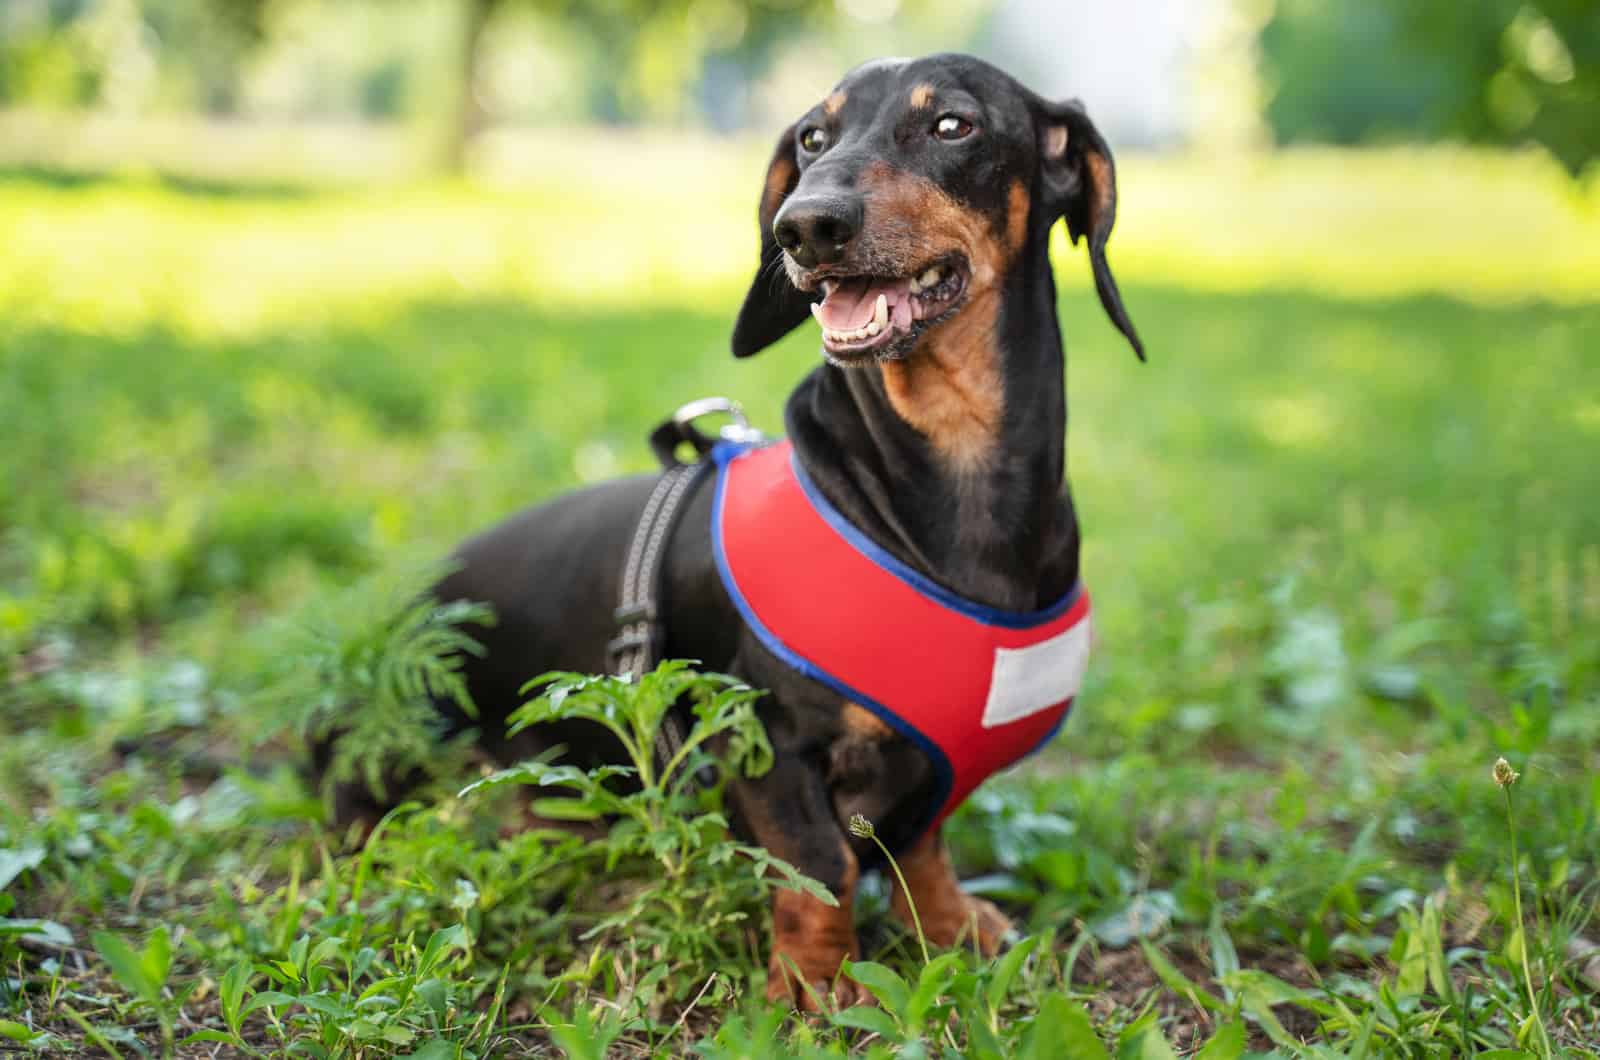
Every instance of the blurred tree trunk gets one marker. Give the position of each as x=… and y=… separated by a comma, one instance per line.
x=467, y=118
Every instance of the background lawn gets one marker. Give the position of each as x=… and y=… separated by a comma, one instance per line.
x=1343, y=533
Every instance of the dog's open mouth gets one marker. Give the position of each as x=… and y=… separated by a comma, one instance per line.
x=880, y=316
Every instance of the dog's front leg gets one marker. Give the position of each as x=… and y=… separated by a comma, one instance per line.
x=788, y=812
x=948, y=914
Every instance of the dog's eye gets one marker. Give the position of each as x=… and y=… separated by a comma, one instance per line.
x=952, y=127
x=813, y=140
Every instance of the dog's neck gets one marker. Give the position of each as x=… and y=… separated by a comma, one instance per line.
x=954, y=459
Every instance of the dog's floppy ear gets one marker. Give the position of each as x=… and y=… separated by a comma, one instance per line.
x=1080, y=181
x=774, y=306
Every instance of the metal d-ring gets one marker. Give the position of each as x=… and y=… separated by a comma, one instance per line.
x=737, y=431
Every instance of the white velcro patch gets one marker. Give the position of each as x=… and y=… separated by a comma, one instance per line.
x=1027, y=680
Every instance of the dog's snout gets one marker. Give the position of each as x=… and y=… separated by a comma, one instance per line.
x=816, y=230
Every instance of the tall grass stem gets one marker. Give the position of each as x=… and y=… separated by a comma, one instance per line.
x=862, y=827
x=1521, y=932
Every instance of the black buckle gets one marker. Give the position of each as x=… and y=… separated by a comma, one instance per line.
x=667, y=438
x=626, y=641
x=629, y=614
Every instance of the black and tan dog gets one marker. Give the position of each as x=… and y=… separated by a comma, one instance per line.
x=936, y=425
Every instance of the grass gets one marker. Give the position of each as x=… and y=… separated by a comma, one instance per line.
x=1342, y=535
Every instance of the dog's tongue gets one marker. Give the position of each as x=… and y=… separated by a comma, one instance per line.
x=850, y=305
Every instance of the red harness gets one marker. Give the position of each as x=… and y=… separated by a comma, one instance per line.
x=975, y=688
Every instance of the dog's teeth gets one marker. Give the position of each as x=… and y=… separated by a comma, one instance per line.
x=930, y=277
x=916, y=285
x=816, y=311
x=874, y=328
x=880, y=313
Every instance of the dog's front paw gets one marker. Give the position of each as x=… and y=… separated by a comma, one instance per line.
x=960, y=919
x=811, y=981
x=809, y=942
x=979, y=919
x=948, y=914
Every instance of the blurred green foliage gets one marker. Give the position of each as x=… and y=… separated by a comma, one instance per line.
x=623, y=60
x=1483, y=71
x=69, y=52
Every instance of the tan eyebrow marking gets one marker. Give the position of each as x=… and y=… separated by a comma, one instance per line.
x=922, y=95
x=835, y=102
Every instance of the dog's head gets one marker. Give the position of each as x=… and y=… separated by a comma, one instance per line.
x=910, y=191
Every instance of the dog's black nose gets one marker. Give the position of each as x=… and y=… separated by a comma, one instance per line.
x=816, y=230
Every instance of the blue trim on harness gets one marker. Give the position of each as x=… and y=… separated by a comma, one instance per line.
x=989, y=616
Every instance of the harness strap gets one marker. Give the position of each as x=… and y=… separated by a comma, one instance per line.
x=641, y=627
x=641, y=631
x=638, y=616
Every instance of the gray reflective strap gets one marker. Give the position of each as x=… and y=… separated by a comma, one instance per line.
x=640, y=633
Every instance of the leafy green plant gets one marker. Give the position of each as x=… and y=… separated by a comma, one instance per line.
x=331, y=999
x=969, y=1008
x=367, y=664
x=697, y=885
x=957, y=1003
x=231, y=992
x=144, y=973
